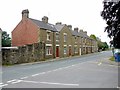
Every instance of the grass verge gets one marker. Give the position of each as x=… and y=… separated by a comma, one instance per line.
x=112, y=58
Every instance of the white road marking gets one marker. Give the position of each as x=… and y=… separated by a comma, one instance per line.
x=23, y=77
x=3, y=85
x=56, y=69
x=118, y=87
x=17, y=81
x=11, y=80
x=65, y=84
x=35, y=75
x=99, y=63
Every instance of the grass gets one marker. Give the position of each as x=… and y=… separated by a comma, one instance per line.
x=112, y=58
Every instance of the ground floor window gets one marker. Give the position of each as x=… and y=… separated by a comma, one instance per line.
x=75, y=50
x=48, y=50
x=65, y=50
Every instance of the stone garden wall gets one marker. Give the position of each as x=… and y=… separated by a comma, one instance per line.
x=24, y=54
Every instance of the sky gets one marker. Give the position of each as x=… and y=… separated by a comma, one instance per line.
x=84, y=14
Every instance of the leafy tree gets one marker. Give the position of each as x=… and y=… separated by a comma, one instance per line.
x=105, y=46
x=111, y=14
x=93, y=36
x=6, y=40
x=101, y=45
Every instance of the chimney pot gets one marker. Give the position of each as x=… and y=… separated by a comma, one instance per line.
x=76, y=29
x=85, y=32
x=81, y=30
x=58, y=23
x=45, y=19
x=25, y=13
x=70, y=27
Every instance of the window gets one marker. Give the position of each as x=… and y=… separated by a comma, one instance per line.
x=65, y=37
x=57, y=37
x=48, y=35
x=48, y=50
x=75, y=50
x=65, y=50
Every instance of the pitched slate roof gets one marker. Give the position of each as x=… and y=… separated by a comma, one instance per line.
x=82, y=34
x=44, y=25
x=59, y=27
x=75, y=33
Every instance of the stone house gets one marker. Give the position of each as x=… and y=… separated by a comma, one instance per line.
x=65, y=40
x=70, y=40
x=30, y=31
x=76, y=41
x=94, y=46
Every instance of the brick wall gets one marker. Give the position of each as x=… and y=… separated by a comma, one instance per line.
x=26, y=32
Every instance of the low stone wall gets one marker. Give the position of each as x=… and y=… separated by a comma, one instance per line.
x=23, y=54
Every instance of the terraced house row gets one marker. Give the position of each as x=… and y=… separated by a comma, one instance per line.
x=59, y=39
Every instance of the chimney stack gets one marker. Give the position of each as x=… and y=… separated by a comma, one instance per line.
x=58, y=23
x=76, y=29
x=45, y=19
x=81, y=30
x=25, y=13
x=70, y=27
x=85, y=32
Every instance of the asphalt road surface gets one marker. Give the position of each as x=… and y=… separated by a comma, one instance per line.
x=87, y=71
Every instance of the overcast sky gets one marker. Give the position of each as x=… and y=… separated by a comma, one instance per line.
x=84, y=14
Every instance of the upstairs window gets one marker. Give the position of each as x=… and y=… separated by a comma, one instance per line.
x=57, y=36
x=65, y=37
x=48, y=36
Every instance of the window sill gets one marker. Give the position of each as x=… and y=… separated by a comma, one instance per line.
x=48, y=54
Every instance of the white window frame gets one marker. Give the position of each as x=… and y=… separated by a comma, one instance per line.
x=48, y=36
x=57, y=37
x=65, y=51
x=48, y=50
x=75, y=50
x=65, y=37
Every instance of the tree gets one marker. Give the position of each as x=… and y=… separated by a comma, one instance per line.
x=105, y=46
x=111, y=14
x=93, y=36
x=101, y=45
x=6, y=40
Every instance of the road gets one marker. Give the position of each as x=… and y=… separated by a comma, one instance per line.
x=86, y=71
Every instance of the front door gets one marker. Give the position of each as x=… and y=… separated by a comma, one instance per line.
x=69, y=50
x=57, y=51
x=80, y=51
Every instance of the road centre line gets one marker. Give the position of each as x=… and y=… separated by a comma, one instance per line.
x=17, y=81
x=24, y=77
x=3, y=85
x=57, y=69
x=11, y=80
x=65, y=84
x=35, y=74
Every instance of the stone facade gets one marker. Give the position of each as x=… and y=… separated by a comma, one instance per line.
x=23, y=54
